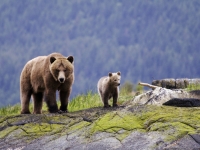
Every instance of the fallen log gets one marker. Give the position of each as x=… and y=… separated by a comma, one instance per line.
x=148, y=85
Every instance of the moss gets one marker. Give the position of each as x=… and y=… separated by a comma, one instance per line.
x=172, y=121
x=119, y=123
x=175, y=122
x=180, y=130
x=8, y=119
x=35, y=130
x=6, y=131
x=116, y=121
x=79, y=126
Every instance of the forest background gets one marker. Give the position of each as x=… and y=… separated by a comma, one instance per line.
x=144, y=39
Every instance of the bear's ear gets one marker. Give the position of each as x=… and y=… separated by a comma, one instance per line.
x=119, y=73
x=52, y=59
x=71, y=59
x=110, y=74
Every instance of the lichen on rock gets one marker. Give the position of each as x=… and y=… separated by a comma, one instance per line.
x=132, y=125
x=116, y=121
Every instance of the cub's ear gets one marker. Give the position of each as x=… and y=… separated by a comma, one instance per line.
x=119, y=73
x=109, y=74
x=71, y=59
x=52, y=59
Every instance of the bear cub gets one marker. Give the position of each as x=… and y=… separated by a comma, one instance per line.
x=41, y=77
x=108, y=87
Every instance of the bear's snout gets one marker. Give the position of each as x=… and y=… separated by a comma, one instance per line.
x=61, y=77
x=118, y=84
x=61, y=80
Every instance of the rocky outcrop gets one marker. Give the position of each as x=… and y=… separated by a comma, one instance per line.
x=176, y=83
x=134, y=125
x=160, y=96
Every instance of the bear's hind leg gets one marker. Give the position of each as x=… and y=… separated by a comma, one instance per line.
x=25, y=100
x=37, y=101
x=101, y=96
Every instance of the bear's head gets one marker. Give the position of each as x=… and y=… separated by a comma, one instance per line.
x=61, y=68
x=115, y=78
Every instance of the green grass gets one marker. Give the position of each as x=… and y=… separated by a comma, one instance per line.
x=84, y=101
x=193, y=87
x=10, y=110
x=80, y=102
x=91, y=100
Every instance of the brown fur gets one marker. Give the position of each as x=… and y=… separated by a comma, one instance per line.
x=108, y=87
x=41, y=77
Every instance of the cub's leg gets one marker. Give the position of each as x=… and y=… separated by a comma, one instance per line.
x=115, y=97
x=105, y=101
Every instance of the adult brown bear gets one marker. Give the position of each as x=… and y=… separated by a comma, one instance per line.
x=41, y=77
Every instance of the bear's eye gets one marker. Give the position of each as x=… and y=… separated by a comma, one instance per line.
x=65, y=70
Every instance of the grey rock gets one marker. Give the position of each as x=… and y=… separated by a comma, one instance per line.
x=185, y=143
x=159, y=95
x=72, y=132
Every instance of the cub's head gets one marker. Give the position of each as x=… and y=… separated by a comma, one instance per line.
x=61, y=68
x=115, y=78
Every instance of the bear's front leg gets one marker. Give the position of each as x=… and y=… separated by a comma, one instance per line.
x=64, y=96
x=50, y=99
x=115, y=97
x=105, y=101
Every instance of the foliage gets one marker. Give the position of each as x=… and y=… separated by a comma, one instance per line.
x=145, y=40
